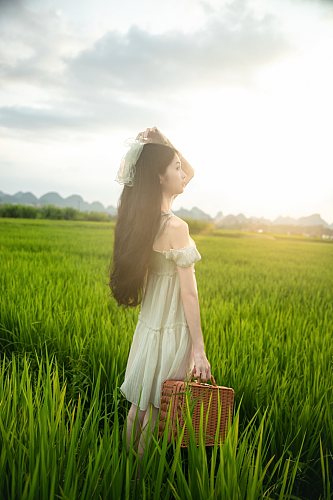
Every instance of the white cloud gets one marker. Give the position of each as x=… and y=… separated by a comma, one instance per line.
x=121, y=77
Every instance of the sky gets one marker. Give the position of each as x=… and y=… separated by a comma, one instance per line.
x=241, y=88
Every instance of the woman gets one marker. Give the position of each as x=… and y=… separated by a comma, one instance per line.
x=153, y=264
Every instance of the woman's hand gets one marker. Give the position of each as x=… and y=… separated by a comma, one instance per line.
x=153, y=135
x=201, y=366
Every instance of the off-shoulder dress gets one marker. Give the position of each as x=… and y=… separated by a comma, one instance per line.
x=161, y=346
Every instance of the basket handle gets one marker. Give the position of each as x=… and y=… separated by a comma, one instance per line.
x=211, y=379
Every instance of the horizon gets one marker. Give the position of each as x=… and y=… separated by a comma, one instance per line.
x=225, y=214
x=224, y=81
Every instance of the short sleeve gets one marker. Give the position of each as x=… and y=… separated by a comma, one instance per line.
x=183, y=257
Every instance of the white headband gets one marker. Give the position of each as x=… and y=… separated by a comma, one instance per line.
x=126, y=170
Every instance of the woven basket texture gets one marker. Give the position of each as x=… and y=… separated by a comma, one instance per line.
x=173, y=396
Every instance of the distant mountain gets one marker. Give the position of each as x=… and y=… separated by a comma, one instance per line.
x=312, y=220
x=194, y=213
x=20, y=197
x=285, y=221
x=52, y=198
x=238, y=220
x=242, y=220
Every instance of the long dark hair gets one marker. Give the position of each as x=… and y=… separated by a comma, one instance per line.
x=138, y=220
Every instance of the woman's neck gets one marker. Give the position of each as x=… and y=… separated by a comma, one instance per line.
x=166, y=202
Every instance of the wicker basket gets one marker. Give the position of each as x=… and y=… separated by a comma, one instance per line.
x=174, y=395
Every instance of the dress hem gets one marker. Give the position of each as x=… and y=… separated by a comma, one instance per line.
x=137, y=403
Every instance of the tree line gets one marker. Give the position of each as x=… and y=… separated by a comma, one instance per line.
x=51, y=212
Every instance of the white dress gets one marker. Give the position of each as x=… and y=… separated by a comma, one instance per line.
x=161, y=345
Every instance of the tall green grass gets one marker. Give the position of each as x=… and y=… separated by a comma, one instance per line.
x=267, y=319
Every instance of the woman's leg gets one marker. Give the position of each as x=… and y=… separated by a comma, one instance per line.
x=147, y=428
x=134, y=424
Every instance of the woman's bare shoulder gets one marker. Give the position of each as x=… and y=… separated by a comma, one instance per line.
x=177, y=222
x=179, y=235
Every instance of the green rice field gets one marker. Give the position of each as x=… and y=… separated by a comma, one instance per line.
x=267, y=318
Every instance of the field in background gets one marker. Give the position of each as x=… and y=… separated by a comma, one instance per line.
x=267, y=319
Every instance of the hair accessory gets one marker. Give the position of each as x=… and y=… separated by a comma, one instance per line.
x=127, y=167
